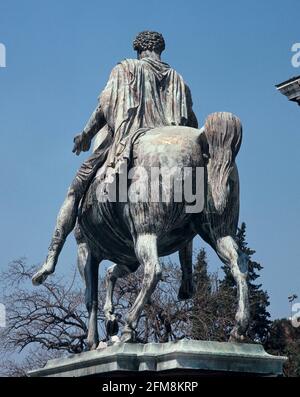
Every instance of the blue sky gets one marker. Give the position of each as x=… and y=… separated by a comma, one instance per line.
x=59, y=55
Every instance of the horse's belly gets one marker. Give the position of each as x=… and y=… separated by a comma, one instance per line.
x=112, y=228
x=106, y=232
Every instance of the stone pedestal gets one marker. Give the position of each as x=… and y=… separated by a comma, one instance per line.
x=195, y=357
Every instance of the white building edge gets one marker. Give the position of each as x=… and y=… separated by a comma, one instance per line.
x=291, y=89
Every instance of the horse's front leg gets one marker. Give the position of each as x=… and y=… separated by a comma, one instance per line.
x=230, y=254
x=146, y=252
x=88, y=267
x=91, y=300
x=186, y=290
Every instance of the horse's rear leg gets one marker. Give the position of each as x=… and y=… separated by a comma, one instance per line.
x=230, y=254
x=186, y=290
x=113, y=273
x=146, y=252
x=88, y=266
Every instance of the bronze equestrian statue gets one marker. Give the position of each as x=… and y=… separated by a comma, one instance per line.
x=144, y=121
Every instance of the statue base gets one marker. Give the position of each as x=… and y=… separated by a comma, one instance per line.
x=200, y=358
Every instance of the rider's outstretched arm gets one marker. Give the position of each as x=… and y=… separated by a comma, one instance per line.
x=96, y=122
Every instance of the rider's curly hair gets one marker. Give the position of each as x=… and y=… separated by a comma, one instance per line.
x=152, y=41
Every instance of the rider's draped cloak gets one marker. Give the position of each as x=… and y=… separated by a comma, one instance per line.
x=140, y=95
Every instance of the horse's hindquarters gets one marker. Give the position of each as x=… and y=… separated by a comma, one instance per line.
x=169, y=147
x=167, y=161
x=155, y=203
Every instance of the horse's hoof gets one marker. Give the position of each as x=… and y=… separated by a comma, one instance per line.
x=128, y=336
x=40, y=276
x=93, y=343
x=102, y=345
x=94, y=346
x=235, y=337
x=112, y=327
x=115, y=339
x=186, y=290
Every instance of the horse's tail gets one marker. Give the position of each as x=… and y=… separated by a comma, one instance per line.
x=223, y=132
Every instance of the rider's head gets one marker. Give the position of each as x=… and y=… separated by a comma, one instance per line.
x=147, y=43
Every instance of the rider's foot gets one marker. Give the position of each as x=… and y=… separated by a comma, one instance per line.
x=41, y=276
x=51, y=260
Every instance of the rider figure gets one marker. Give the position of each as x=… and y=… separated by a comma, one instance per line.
x=141, y=93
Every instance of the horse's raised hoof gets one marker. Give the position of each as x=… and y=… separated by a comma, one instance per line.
x=112, y=327
x=40, y=276
x=186, y=290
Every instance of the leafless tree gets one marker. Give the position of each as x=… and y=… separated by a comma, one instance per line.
x=42, y=323
x=13, y=367
x=50, y=321
x=52, y=316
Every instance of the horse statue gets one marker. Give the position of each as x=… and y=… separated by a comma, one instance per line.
x=137, y=232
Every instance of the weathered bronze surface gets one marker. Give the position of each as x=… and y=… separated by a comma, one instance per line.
x=145, y=120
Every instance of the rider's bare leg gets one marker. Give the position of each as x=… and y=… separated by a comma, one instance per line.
x=64, y=225
x=68, y=213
